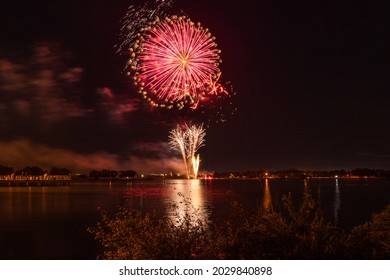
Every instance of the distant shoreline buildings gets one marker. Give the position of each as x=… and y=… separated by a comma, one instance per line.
x=57, y=175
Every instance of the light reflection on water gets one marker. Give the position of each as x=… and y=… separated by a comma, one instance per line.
x=29, y=202
x=187, y=199
x=267, y=200
x=176, y=198
x=209, y=197
x=337, y=202
x=50, y=222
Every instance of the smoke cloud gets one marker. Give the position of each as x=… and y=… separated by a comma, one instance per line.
x=32, y=154
x=41, y=86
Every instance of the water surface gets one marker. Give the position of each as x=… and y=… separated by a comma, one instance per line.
x=51, y=222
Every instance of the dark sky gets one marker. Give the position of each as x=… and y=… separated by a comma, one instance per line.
x=311, y=77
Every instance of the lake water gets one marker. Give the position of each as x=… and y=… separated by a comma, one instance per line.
x=51, y=222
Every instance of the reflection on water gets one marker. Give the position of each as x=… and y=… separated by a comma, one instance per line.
x=186, y=199
x=10, y=203
x=267, y=200
x=26, y=202
x=337, y=202
x=50, y=222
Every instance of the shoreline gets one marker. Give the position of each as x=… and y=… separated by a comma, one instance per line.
x=69, y=182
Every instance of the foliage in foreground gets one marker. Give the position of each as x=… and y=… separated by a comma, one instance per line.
x=371, y=239
x=129, y=234
x=294, y=233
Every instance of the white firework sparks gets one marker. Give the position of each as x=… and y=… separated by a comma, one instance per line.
x=178, y=141
x=188, y=140
x=138, y=17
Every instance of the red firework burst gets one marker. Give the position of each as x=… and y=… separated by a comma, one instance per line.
x=176, y=62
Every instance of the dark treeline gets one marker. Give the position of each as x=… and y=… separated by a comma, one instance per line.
x=295, y=173
x=112, y=174
x=260, y=173
x=38, y=171
x=33, y=171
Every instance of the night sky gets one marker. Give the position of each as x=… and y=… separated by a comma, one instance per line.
x=311, y=77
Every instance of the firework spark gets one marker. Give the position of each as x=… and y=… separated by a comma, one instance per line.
x=176, y=63
x=195, y=165
x=188, y=140
x=137, y=18
x=178, y=141
x=195, y=138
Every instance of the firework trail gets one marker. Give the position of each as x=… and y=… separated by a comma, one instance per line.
x=195, y=165
x=195, y=140
x=178, y=141
x=188, y=139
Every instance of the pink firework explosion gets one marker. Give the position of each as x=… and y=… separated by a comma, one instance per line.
x=176, y=63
